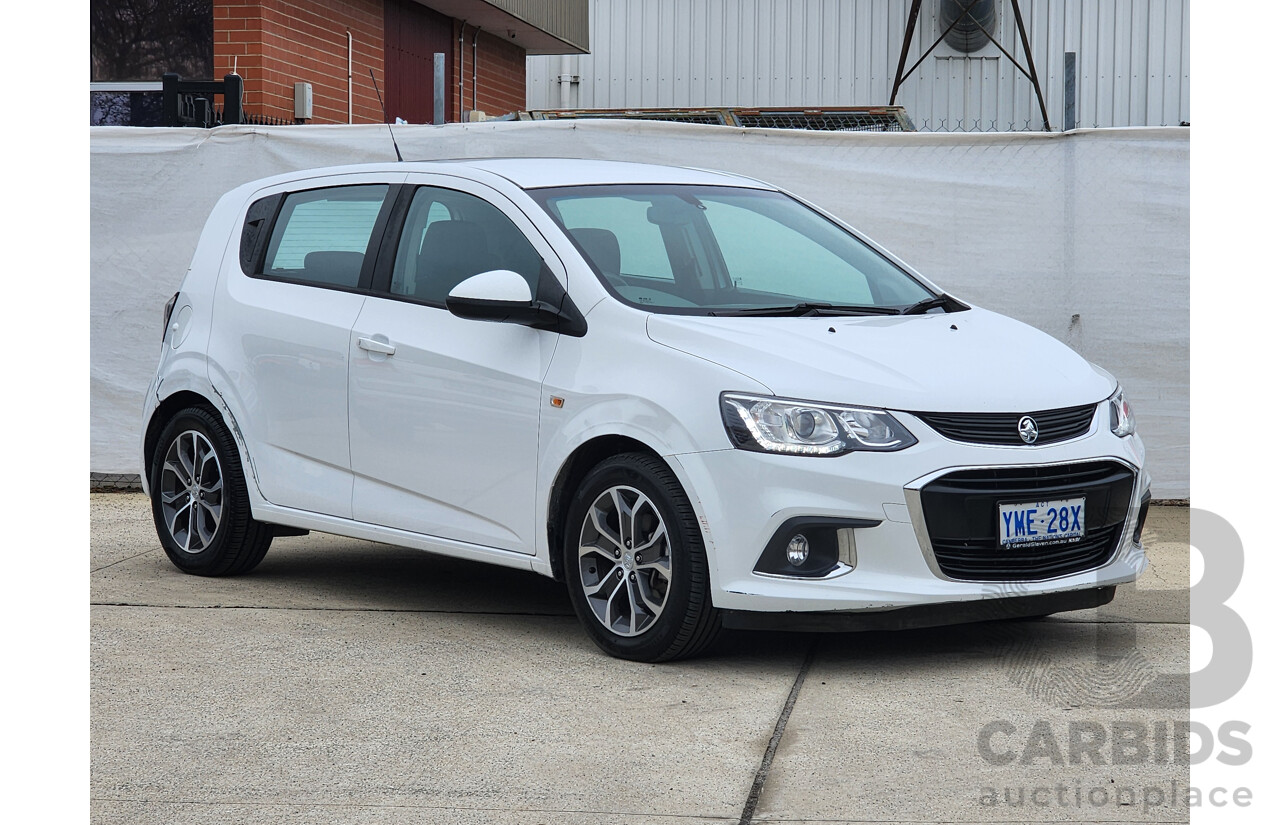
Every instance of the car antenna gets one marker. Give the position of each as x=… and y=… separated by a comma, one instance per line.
x=384, y=116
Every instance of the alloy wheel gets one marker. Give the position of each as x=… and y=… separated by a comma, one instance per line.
x=191, y=491
x=624, y=556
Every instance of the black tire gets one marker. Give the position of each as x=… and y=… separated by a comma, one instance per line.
x=685, y=622
x=222, y=538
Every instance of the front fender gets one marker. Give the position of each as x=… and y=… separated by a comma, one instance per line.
x=665, y=399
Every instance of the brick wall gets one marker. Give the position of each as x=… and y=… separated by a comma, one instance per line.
x=497, y=78
x=274, y=43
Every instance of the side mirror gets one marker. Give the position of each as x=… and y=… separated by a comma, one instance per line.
x=497, y=287
x=503, y=296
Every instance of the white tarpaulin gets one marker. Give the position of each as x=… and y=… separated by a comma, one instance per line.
x=1085, y=235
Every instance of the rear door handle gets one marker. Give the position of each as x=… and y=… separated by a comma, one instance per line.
x=374, y=345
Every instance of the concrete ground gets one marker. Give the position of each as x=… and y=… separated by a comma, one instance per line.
x=345, y=681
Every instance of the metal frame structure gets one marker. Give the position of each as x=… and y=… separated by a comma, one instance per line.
x=190, y=102
x=193, y=103
x=1030, y=72
x=823, y=118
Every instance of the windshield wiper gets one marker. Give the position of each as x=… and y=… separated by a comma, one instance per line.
x=805, y=308
x=927, y=304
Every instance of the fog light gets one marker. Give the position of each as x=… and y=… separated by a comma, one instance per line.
x=811, y=547
x=798, y=550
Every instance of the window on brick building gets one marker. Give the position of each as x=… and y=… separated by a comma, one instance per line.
x=132, y=43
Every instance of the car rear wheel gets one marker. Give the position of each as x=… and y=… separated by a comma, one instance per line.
x=635, y=563
x=199, y=500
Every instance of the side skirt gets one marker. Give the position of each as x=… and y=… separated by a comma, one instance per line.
x=304, y=520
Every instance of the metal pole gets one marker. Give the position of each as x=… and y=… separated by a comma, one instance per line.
x=232, y=98
x=437, y=115
x=462, y=68
x=1069, y=92
x=475, y=75
x=1031, y=63
x=169, y=84
x=906, y=44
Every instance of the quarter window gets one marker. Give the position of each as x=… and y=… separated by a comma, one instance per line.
x=322, y=235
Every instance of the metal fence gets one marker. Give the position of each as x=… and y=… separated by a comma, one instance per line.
x=114, y=482
x=827, y=119
x=254, y=119
x=195, y=103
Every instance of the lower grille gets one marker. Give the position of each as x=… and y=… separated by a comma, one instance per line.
x=961, y=511
x=963, y=560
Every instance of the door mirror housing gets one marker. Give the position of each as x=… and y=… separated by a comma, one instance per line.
x=503, y=296
x=497, y=286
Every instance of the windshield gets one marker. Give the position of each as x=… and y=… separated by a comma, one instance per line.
x=725, y=251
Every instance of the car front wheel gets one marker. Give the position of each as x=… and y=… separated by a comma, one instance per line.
x=635, y=563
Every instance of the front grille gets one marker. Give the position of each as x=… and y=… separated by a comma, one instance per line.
x=961, y=511
x=1002, y=428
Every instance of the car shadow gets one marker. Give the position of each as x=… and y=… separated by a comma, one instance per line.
x=333, y=572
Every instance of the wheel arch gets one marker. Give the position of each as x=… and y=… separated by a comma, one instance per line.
x=572, y=471
x=163, y=413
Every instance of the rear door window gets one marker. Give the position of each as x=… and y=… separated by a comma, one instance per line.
x=322, y=236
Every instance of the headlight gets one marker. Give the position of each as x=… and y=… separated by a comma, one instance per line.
x=783, y=425
x=1122, y=421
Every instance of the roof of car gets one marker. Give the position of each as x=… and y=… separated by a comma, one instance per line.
x=536, y=173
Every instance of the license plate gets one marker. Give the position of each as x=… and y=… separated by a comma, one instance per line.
x=1041, y=522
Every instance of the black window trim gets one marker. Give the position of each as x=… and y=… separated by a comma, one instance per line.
x=263, y=231
x=389, y=245
x=550, y=291
x=373, y=251
x=394, y=234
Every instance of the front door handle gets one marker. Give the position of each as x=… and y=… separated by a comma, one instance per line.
x=374, y=345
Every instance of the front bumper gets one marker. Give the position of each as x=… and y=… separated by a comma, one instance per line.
x=744, y=497
x=922, y=615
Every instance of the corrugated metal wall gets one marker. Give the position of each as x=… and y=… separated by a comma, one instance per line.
x=1133, y=64
x=565, y=19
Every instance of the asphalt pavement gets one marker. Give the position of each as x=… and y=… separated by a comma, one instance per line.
x=344, y=681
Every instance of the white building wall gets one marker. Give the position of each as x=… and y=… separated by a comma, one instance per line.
x=1132, y=59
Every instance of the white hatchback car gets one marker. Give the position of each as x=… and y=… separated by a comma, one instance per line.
x=699, y=401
